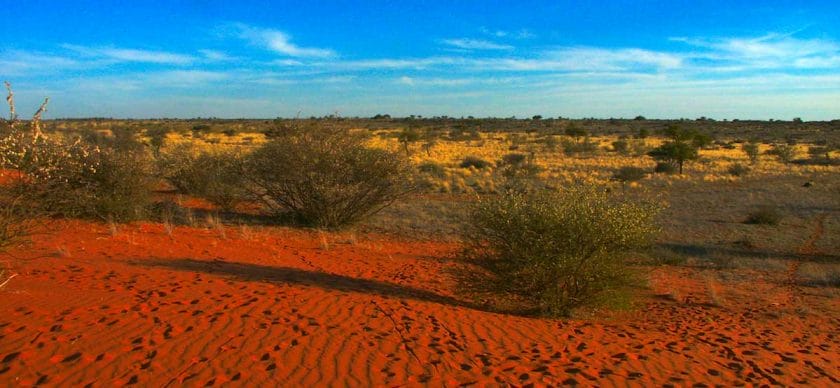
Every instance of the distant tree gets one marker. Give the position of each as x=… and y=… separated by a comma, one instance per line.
x=701, y=140
x=679, y=149
x=407, y=136
x=640, y=118
x=752, y=151
x=536, y=117
x=428, y=145
x=575, y=131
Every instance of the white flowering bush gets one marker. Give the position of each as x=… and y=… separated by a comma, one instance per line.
x=76, y=179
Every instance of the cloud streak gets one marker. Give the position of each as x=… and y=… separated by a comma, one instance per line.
x=475, y=44
x=131, y=55
x=279, y=42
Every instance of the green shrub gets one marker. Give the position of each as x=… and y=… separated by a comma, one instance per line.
x=474, y=162
x=216, y=177
x=630, y=174
x=175, y=164
x=738, y=169
x=555, y=251
x=575, y=131
x=764, y=215
x=325, y=178
x=784, y=152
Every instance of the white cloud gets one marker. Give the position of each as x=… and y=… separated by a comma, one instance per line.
x=588, y=59
x=131, y=55
x=390, y=63
x=768, y=51
x=16, y=62
x=496, y=33
x=475, y=44
x=279, y=42
x=215, y=55
x=521, y=34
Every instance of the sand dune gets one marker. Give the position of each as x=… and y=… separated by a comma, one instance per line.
x=281, y=308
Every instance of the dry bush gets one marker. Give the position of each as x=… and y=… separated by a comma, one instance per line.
x=556, y=251
x=518, y=166
x=475, y=162
x=764, y=215
x=573, y=147
x=325, y=178
x=738, y=169
x=784, y=152
x=215, y=176
x=176, y=165
x=15, y=219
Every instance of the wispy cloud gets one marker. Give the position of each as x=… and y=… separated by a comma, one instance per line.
x=523, y=33
x=215, y=55
x=17, y=62
x=767, y=51
x=131, y=55
x=279, y=42
x=475, y=44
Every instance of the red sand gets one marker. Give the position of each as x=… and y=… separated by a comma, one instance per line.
x=282, y=308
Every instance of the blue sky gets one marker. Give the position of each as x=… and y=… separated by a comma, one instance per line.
x=721, y=59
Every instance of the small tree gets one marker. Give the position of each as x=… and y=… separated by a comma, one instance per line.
x=752, y=151
x=680, y=149
x=575, y=131
x=407, y=136
x=428, y=145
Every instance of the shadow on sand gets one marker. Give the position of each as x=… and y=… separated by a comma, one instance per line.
x=296, y=276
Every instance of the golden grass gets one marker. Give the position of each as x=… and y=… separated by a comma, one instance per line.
x=556, y=168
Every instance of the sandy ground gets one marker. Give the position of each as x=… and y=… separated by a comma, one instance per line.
x=90, y=307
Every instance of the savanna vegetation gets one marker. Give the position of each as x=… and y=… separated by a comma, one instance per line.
x=560, y=212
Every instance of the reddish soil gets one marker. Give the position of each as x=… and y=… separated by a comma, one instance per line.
x=281, y=307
